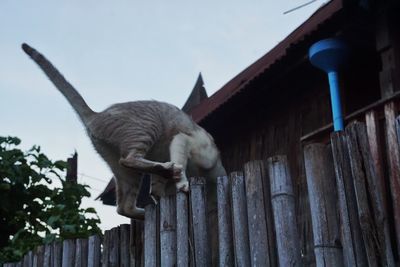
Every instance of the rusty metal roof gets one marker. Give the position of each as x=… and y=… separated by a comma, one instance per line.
x=239, y=83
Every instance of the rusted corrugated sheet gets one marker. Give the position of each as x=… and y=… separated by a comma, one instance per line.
x=240, y=82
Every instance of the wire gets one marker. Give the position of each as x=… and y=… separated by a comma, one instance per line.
x=94, y=178
x=298, y=7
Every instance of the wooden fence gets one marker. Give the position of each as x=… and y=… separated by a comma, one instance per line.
x=354, y=223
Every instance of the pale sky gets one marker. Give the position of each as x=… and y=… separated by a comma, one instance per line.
x=119, y=51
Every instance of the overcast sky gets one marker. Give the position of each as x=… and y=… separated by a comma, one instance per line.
x=118, y=51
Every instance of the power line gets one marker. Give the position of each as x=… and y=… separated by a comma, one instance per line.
x=298, y=7
x=94, y=178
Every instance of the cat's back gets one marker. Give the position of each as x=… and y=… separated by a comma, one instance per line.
x=128, y=116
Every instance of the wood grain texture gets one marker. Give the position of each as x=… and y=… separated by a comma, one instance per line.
x=283, y=204
x=354, y=252
x=322, y=194
x=225, y=240
x=198, y=207
x=182, y=232
x=239, y=220
x=168, y=231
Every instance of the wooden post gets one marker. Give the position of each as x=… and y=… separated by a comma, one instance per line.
x=68, y=257
x=372, y=216
x=322, y=195
x=72, y=169
x=374, y=134
x=168, y=231
x=47, y=255
x=150, y=236
x=56, y=257
x=261, y=251
x=202, y=253
x=225, y=241
x=182, y=234
x=114, y=248
x=393, y=156
x=354, y=250
x=239, y=218
x=124, y=246
x=283, y=204
x=28, y=259
x=94, y=251
x=38, y=257
x=81, y=253
x=136, y=243
x=105, y=255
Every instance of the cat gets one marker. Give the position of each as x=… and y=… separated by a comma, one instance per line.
x=142, y=137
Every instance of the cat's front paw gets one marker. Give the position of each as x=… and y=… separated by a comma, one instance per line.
x=173, y=170
x=182, y=185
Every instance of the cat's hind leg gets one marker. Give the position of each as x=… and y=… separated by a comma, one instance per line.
x=127, y=191
x=135, y=160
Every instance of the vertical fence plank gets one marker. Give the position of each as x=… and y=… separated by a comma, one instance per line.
x=239, y=220
x=182, y=234
x=68, y=257
x=38, y=256
x=47, y=255
x=150, y=236
x=56, y=256
x=283, y=204
x=105, y=255
x=369, y=199
x=322, y=195
x=258, y=234
x=94, y=251
x=124, y=246
x=28, y=259
x=393, y=156
x=202, y=253
x=168, y=231
x=374, y=135
x=354, y=250
x=81, y=253
x=225, y=246
x=114, y=248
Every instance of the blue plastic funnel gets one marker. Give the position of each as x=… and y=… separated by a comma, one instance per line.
x=329, y=55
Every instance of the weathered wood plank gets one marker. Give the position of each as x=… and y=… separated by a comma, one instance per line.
x=354, y=250
x=374, y=136
x=57, y=254
x=113, y=259
x=225, y=239
x=68, y=257
x=239, y=220
x=322, y=195
x=47, y=255
x=168, y=231
x=283, y=204
x=81, y=252
x=393, y=156
x=202, y=253
x=372, y=216
x=105, y=254
x=38, y=257
x=258, y=234
x=94, y=251
x=150, y=236
x=28, y=259
x=124, y=246
x=182, y=233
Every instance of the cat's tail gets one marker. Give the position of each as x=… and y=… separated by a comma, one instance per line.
x=73, y=97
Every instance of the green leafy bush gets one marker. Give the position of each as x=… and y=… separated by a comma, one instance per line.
x=31, y=212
